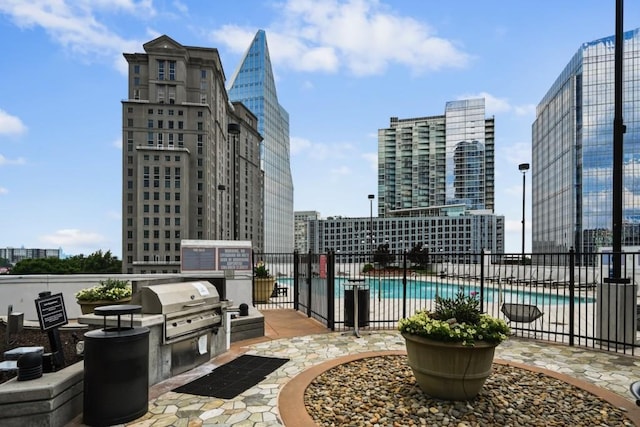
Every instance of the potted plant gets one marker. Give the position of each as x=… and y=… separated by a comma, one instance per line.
x=264, y=282
x=450, y=351
x=108, y=292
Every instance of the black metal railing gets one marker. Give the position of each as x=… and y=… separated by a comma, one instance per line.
x=579, y=304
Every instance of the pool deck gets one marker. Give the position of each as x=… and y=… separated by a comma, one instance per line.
x=309, y=345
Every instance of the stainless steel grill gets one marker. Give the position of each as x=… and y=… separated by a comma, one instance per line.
x=189, y=308
x=193, y=315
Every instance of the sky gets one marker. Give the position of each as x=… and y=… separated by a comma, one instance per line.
x=342, y=67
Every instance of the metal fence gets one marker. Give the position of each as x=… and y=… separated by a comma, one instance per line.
x=561, y=297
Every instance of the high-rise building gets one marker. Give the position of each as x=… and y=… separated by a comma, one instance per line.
x=439, y=231
x=15, y=255
x=437, y=160
x=572, y=155
x=253, y=84
x=301, y=234
x=180, y=174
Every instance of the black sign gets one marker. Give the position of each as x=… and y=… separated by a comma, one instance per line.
x=198, y=259
x=51, y=312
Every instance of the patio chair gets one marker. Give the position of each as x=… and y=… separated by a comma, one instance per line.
x=522, y=313
x=279, y=290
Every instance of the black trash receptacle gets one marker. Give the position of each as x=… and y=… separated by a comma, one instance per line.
x=116, y=370
x=363, y=305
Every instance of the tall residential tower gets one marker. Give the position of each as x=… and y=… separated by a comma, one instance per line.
x=437, y=160
x=253, y=84
x=573, y=151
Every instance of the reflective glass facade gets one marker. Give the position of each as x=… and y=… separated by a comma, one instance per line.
x=573, y=151
x=467, y=173
x=437, y=160
x=253, y=85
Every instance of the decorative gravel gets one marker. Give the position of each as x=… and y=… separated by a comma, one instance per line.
x=382, y=391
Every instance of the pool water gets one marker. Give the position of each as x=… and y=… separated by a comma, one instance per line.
x=392, y=288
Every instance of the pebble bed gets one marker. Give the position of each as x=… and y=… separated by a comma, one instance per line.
x=382, y=391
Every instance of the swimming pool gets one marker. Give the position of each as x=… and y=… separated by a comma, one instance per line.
x=392, y=288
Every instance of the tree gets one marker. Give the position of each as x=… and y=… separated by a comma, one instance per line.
x=419, y=255
x=382, y=255
x=93, y=264
x=4, y=262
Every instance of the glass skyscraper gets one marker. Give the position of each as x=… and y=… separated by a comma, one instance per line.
x=437, y=160
x=572, y=157
x=253, y=85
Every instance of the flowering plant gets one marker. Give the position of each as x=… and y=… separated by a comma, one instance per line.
x=261, y=270
x=107, y=290
x=456, y=319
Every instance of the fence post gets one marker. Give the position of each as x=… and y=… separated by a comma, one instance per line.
x=296, y=279
x=482, y=280
x=309, y=281
x=572, y=292
x=331, y=300
x=404, y=284
x=253, y=277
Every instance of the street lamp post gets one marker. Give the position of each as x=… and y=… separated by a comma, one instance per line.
x=371, y=197
x=234, y=131
x=523, y=167
x=221, y=187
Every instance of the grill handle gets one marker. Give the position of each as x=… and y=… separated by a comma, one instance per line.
x=195, y=304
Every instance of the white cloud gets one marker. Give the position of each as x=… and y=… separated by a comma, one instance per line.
x=117, y=143
x=73, y=238
x=319, y=151
x=298, y=145
x=495, y=105
x=5, y=161
x=114, y=215
x=515, y=153
x=73, y=24
x=11, y=125
x=364, y=37
x=340, y=171
x=372, y=159
x=3, y=191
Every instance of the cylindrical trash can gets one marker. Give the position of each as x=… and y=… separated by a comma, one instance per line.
x=363, y=306
x=116, y=370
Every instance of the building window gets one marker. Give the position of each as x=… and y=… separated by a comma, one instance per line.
x=136, y=69
x=172, y=70
x=160, y=70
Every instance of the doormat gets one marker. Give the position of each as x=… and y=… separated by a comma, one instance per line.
x=231, y=379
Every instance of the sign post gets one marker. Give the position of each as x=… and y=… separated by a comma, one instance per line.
x=52, y=314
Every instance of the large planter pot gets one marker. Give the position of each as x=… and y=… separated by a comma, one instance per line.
x=87, y=307
x=263, y=288
x=449, y=371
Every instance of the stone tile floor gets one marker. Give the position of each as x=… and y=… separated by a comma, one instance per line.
x=307, y=344
x=258, y=405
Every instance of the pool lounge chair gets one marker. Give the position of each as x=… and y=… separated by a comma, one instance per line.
x=522, y=313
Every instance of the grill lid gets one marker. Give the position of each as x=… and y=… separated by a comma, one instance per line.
x=174, y=297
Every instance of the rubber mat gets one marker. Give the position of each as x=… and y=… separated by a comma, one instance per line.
x=231, y=379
